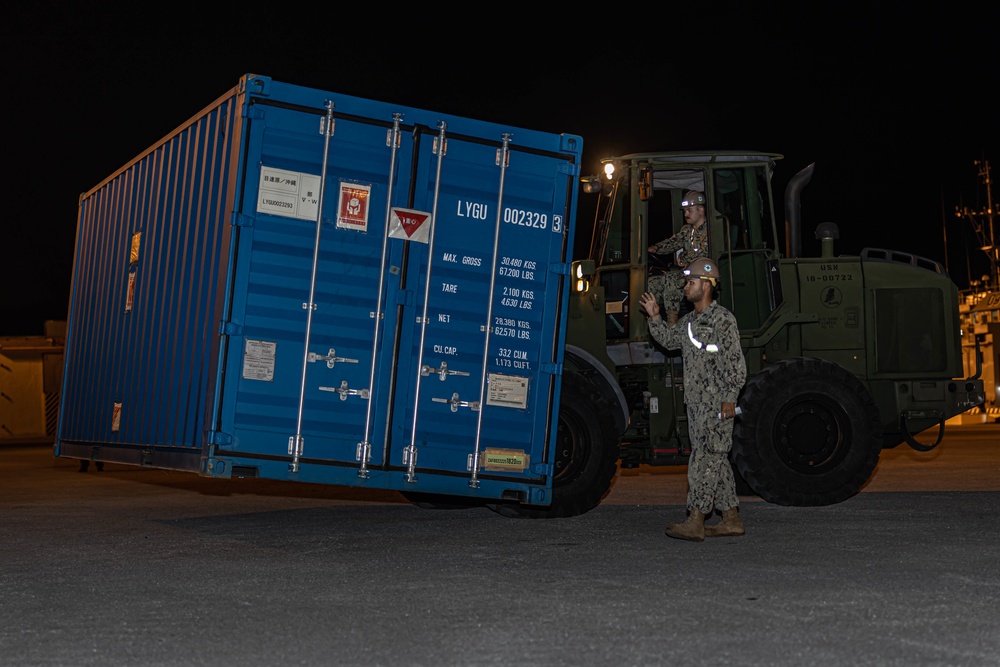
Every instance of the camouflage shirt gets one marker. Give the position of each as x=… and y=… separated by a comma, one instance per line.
x=691, y=242
x=709, y=341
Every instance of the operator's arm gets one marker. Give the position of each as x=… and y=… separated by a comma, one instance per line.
x=661, y=332
x=672, y=244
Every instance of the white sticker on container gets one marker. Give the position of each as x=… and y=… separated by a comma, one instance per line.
x=288, y=193
x=258, y=360
x=508, y=391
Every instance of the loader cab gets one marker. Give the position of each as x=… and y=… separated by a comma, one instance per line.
x=639, y=205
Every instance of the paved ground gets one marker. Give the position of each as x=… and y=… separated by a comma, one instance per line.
x=146, y=567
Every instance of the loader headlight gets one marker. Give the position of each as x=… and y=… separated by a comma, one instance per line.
x=591, y=184
x=582, y=270
x=594, y=184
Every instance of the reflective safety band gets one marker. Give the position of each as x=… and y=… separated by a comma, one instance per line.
x=711, y=347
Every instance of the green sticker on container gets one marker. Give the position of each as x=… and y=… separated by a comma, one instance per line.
x=505, y=459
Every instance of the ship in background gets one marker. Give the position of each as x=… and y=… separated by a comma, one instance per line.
x=980, y=306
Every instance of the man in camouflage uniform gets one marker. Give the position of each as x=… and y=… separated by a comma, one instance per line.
x=690, y=242
x=714, y=373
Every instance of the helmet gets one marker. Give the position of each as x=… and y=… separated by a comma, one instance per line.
x=693, y=198
x=704, y=268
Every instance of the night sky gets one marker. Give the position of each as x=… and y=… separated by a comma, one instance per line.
x=894, y=104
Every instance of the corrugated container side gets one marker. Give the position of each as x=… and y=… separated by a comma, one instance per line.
x=148, y=291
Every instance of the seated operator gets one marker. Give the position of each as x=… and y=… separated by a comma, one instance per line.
x=688, y=243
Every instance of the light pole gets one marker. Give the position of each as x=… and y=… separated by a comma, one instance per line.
x=982, y=224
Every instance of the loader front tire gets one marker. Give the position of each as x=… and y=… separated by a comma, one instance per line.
x=809, y=435
x=584, y=456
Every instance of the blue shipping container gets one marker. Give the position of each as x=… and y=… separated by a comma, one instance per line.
x=301, y=285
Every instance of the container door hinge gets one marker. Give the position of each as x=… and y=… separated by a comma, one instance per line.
x=551, y=368
x=219, y=438
x=253, y=111
x=404, y=297
x=230, y=329
x=562, y=269
x=240, y=220
x=541, y=469
x=569, y=168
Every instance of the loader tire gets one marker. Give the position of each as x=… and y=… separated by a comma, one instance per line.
x=584, y=456
x=810, y=433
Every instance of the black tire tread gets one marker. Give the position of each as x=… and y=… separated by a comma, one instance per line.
x=778, y=385
x=580, y=401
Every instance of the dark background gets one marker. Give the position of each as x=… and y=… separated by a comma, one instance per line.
x=894, y=104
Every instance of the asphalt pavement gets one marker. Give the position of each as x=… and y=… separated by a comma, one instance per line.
x=132, y=566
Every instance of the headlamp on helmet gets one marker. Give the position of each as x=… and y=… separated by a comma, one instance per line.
x=704, y=268
x=693, y=198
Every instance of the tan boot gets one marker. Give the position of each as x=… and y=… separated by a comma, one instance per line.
x=730, y=526
x=671, y=317
x=692, y=529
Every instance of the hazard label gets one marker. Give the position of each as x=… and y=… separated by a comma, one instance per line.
x=410, y=225
x=352, y=207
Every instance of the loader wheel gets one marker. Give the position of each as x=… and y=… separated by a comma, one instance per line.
x=810, y=433
x=584, y=456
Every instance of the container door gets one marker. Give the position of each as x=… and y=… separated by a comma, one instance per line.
x=410, y=340
x=479, y=357
x=305, y=345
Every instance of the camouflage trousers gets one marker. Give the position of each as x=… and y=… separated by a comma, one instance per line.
x=668, y=288
x=711, y=484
